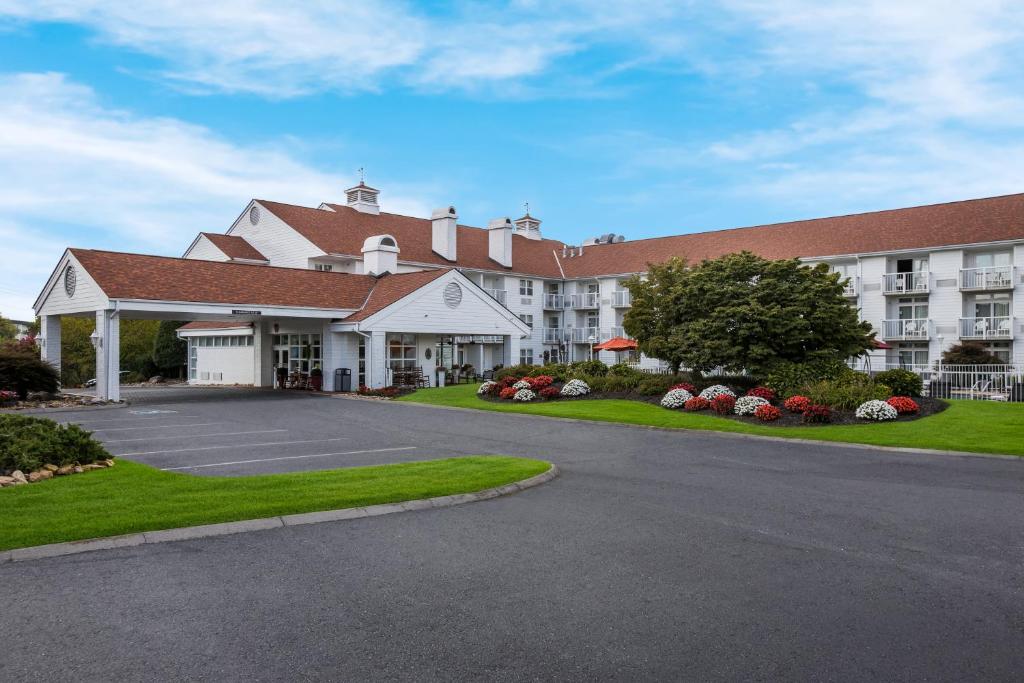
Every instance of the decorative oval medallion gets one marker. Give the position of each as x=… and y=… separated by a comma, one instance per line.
x=452, y=295
x=70, y=280
x=254, y=215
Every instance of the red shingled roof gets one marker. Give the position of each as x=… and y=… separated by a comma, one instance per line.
x=391, y=288
x=343, y=231
x=235, y=247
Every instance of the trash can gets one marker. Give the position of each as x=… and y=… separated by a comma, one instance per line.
x=343, y=379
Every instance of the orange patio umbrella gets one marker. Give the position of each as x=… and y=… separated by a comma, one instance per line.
x=617, y=344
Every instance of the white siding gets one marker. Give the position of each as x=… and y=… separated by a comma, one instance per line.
x=88, y=296
x=224, y=365
x=1017, y=307
x=945, y=302
x=273, y=238
x=205, y=250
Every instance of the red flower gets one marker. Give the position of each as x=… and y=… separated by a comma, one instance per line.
x=506, y=382
x=903, y=405
x=685, y=385
x=723, y=404
x=539, y=382
x=797, y=404
x=507, y=393
x=549, y=392
x=696, y=403
x=762, y=392
x=817, y=414
x=767, y=413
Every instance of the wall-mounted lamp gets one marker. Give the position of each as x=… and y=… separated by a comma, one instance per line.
x=96, y=339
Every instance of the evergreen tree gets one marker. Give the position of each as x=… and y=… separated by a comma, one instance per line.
x=169, y=352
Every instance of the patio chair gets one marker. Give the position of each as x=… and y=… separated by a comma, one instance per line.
x=911, y=329
x=1005, y=328
x=980, y=327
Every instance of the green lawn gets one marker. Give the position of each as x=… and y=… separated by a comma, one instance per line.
x=132, y=497
x=978, y=426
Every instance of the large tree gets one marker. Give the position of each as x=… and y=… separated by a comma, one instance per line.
x=169, y=352
x=743, y=312
x=7, y=329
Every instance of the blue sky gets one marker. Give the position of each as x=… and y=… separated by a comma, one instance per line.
x=134, y=126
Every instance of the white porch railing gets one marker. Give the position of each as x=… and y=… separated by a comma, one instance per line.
x=622, y=298
x=553, y=335
x=990, y=278
x=905, y=283
x=584, y=335
x=554, y=301
x=586, y=300
x=612, y=332
x=973, y=382
x=986, y=328
x=914, y=328
x=499, y=295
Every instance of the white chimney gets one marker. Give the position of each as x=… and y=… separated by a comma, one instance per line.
x=499, y=241
x=363, y=198
x=443, y=227
x=380, y=255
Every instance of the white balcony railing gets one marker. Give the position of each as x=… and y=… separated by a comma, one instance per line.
x=554, y=335
x=585, y=335
x=914, y=328
x=905, y=283
x=850, y=288
x=499, y=295
x=993, y=277
x=1000, y=327
x=622, y=298
x=586, y=300
x=613, y=332
x=554, y=301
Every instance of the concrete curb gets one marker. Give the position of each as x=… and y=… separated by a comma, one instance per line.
x=193, y=532
x=734, y=435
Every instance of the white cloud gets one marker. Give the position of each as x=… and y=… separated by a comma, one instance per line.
x=74, y=171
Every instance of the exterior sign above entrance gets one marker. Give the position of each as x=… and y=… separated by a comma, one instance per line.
x=242, y=311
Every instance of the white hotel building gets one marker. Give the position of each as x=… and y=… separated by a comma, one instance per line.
x=348, y=286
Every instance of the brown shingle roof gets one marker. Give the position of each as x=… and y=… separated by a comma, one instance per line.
x=235, y=247
x=161, y=278
x=966, y=222
x=343, y=231
x=391, y=288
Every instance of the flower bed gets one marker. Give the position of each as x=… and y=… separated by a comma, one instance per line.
x=746, y=405
x=676, y=398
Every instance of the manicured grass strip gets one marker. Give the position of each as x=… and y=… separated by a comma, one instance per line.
x=975, y=426
x=132, y=497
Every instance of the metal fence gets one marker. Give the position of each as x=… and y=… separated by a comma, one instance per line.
x=972, y=382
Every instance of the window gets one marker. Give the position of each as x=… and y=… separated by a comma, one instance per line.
x=553, y=288
x=361, y=380
x=526, y=288
x=912, y=308
x=297, y=352
x=909, y=355
x=324, y=267
x=999, y=349
x=526, y=356
x=992, y=259
x=402, y=351
x=526, y=318
x=992, y=305
x=193, y=356
x=593, y=320
x=553, y=322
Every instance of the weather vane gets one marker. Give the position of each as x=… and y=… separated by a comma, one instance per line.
x=362, y=175
x=526, y=205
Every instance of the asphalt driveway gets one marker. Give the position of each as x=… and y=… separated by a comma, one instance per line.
x=656, y=555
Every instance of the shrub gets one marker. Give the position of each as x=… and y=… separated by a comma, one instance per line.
x=788, y=378
x=22, y=373
x=521, y=384
x=904, y=405
x=847, y=392
x=715, y=390
x=876, y=411
x=695, y=404
x=762, y=392
x=594, y=368
x=575, y=387
x=654, y=385
x=487, y=388
x=901, y=382
x=516, y=371
x=767, y=413
x=28, y=443
x=7, y=397
x=676, y=398
x=623, y=370
x=507, y=393
x=386, y=392
x=508, y=381
x=746, y=405
x=797, y=404
x=538, y=382
x=617, y=383
x=549, y=393
x=557, y=371
x=817, y=414
x=723, y=404
x=970, y=353
x=524, y=395
x=686, y=386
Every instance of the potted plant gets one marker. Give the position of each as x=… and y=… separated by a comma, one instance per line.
x=316, y=379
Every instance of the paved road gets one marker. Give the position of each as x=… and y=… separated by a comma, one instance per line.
x=655, y=555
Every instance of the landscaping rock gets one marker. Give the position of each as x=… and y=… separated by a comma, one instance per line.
x=78, y=469
x=7, y=481
x=40, y=475
x=51, y=468
x=19, y=476
x=110, y=462
x=91, y=466
x=65, y=470
x=156, y=379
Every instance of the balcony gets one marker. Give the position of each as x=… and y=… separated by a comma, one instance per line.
x=583, y=335
x=499, y=295
x=613, y=332
x=913, y=329
x=622, y=298
x=986, y=328
x=555, y=302
x=850, y=288
x=586, y=301
x=554, y=335
x=905, y=283
x=986, y=279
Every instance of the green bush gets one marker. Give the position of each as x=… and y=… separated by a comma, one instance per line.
x=846, y=393
x=594, y=368
x=23, y=373
x=557, y=371
x=623, y=370
x=788, y=378
x=741, y=383
x=902, y=382
x=653, y=385
x=620, y=383
x=514, y=371
x=28, y=443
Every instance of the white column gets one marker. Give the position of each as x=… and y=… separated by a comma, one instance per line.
x=108, y=355
x=377, y=362
x=480, y=361
x=511, y=355
x=49, y=342
x=257, y=353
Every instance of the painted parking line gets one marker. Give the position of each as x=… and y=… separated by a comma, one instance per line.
x=289, y=457
x=251, y=445
x=125, y=419
x=195, y=436
x=135, y=429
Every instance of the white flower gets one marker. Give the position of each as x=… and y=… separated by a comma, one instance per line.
x=524, y=395
x=878, y=411
x=521, y=384
x=716, y=390
x=485, y=387
x=676, y=398
x=575, y=387
x=746, y=405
